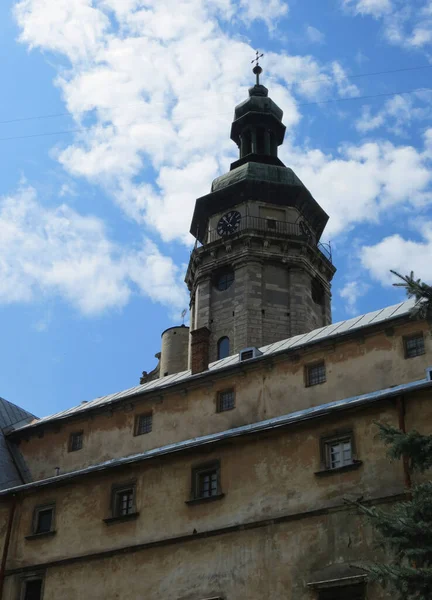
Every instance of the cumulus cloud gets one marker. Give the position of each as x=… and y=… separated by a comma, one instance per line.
x=360, y=183
x=400, y=254
x=375, y=8
x=397, y=114
x=156, y=113
x=351, y=293
x=47, y=252
x=403, y=23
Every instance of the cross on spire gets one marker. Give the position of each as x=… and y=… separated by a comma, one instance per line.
x=257, y=69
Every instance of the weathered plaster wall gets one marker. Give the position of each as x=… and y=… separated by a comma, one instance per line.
x=353, y=367
x=262, y=478
x=272, y=562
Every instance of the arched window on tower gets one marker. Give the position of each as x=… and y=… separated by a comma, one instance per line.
x=223, y=347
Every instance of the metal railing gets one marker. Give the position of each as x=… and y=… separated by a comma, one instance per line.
x=270, y=226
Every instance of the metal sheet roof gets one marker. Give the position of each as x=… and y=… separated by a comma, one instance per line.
x=10, y=416
x=273, y=423
x=298, y=341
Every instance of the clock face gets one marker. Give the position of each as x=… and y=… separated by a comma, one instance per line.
x=229, y=223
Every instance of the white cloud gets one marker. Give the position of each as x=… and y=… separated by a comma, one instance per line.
x=375, y=8
x=361, y=183
x=403, y=23
x=58, y=252
x=400, y=254
x=314, y=35
x=397, y=114
x=351, y=293
x=157, y=98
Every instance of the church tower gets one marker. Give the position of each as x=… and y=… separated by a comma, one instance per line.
x=258, y=273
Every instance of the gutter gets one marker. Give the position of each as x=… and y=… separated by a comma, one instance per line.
x=213, y=438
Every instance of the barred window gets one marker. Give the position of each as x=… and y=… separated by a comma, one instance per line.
x=206, y=481
x=315, y=374
x=414, y=345
x=143, y=424
x=226, y=400
x=76, y=441
x=124, y=501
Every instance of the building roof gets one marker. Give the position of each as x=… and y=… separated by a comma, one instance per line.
x=11, y=416
x=306, y=414
x=334, y=331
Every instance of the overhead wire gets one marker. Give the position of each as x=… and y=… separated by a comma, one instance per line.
x=356, y=76
x=353, y=98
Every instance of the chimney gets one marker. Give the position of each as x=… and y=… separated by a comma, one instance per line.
x=200, y=350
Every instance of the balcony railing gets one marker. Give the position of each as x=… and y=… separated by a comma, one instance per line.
x=270, y=226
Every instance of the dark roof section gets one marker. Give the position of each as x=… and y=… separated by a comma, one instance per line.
x=11, y=416
x=264, y=182
x=313, y=412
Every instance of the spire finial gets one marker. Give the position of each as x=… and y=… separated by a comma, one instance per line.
x=257, y=69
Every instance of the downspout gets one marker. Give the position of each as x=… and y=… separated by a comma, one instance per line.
x=6, y=543
x=401, y=415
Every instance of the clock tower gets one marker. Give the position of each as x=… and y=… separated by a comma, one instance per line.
x=258, y=273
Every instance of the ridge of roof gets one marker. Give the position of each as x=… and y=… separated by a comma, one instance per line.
x=334, y=330
x=272, y=423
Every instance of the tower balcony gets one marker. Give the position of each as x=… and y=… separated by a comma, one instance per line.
x=273, y=228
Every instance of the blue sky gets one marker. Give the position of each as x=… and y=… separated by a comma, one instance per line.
x=115, y=116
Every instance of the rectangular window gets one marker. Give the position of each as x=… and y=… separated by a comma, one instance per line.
x=43, y=519
x=315, y=374
x=225, y=400
x=143, y=424
x=76, y=441
x=339, y=453
x=414, y=345
x=206, y=481
x=124, y=501
x=32, y=589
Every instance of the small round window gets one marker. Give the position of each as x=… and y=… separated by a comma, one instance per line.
x=224, y=279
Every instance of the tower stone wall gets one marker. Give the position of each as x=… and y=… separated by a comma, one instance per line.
x=258, y=273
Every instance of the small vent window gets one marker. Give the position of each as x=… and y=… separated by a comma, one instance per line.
x=315, y=374
x=249, y=353
x=224, y=279
x=143, y=424
x=226, y=400
x=76, y=441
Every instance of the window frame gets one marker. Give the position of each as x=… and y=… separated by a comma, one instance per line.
x=413, y=336
x=116, y=490
x=223, y=338
x=327, y=441
x=307, y=373
x=36, y=576
x=219, y=394
x=35, y=520
x=137, y=431
x=197, y=472
x=229, y=274
x=72, y=436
